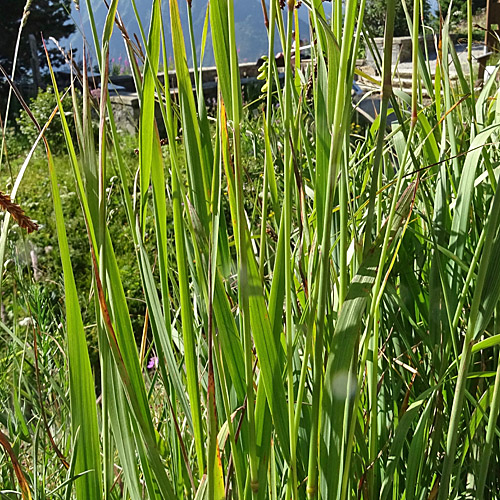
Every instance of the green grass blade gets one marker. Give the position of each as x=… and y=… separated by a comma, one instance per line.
x=147, y=133
x=347, y=331
x=82, y=395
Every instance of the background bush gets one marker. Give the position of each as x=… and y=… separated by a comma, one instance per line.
x=375, y=17
x=42, y=106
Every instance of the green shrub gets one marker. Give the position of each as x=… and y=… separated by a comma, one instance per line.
x=42, y=107
x=375, y=17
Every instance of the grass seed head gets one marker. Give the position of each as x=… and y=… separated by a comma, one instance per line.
x=17, y=213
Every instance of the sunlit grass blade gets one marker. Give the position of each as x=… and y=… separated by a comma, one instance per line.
x=147, y=119
x=347, y=331
x=486, y=289
x=82, y=396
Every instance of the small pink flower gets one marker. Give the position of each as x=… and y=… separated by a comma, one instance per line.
x=153, y=362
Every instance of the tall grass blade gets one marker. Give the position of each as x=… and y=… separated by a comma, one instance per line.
x=342, y=352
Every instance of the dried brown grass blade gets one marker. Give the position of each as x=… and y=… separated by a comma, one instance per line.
x=17, y=467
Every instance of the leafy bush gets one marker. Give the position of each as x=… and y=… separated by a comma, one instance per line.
x=42, y=106
x=375, y=17
x=459, y=8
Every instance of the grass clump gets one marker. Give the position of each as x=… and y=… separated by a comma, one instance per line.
x=320, y=301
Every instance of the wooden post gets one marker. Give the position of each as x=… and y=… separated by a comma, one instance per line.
x=492, y=32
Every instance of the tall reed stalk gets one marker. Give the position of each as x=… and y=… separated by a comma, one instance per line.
x=307, y=280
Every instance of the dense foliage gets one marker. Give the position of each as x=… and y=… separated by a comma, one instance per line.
x=41, y=108
x=269, y=302
x=459, y=8
x=50, y=17
x=375, y=15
